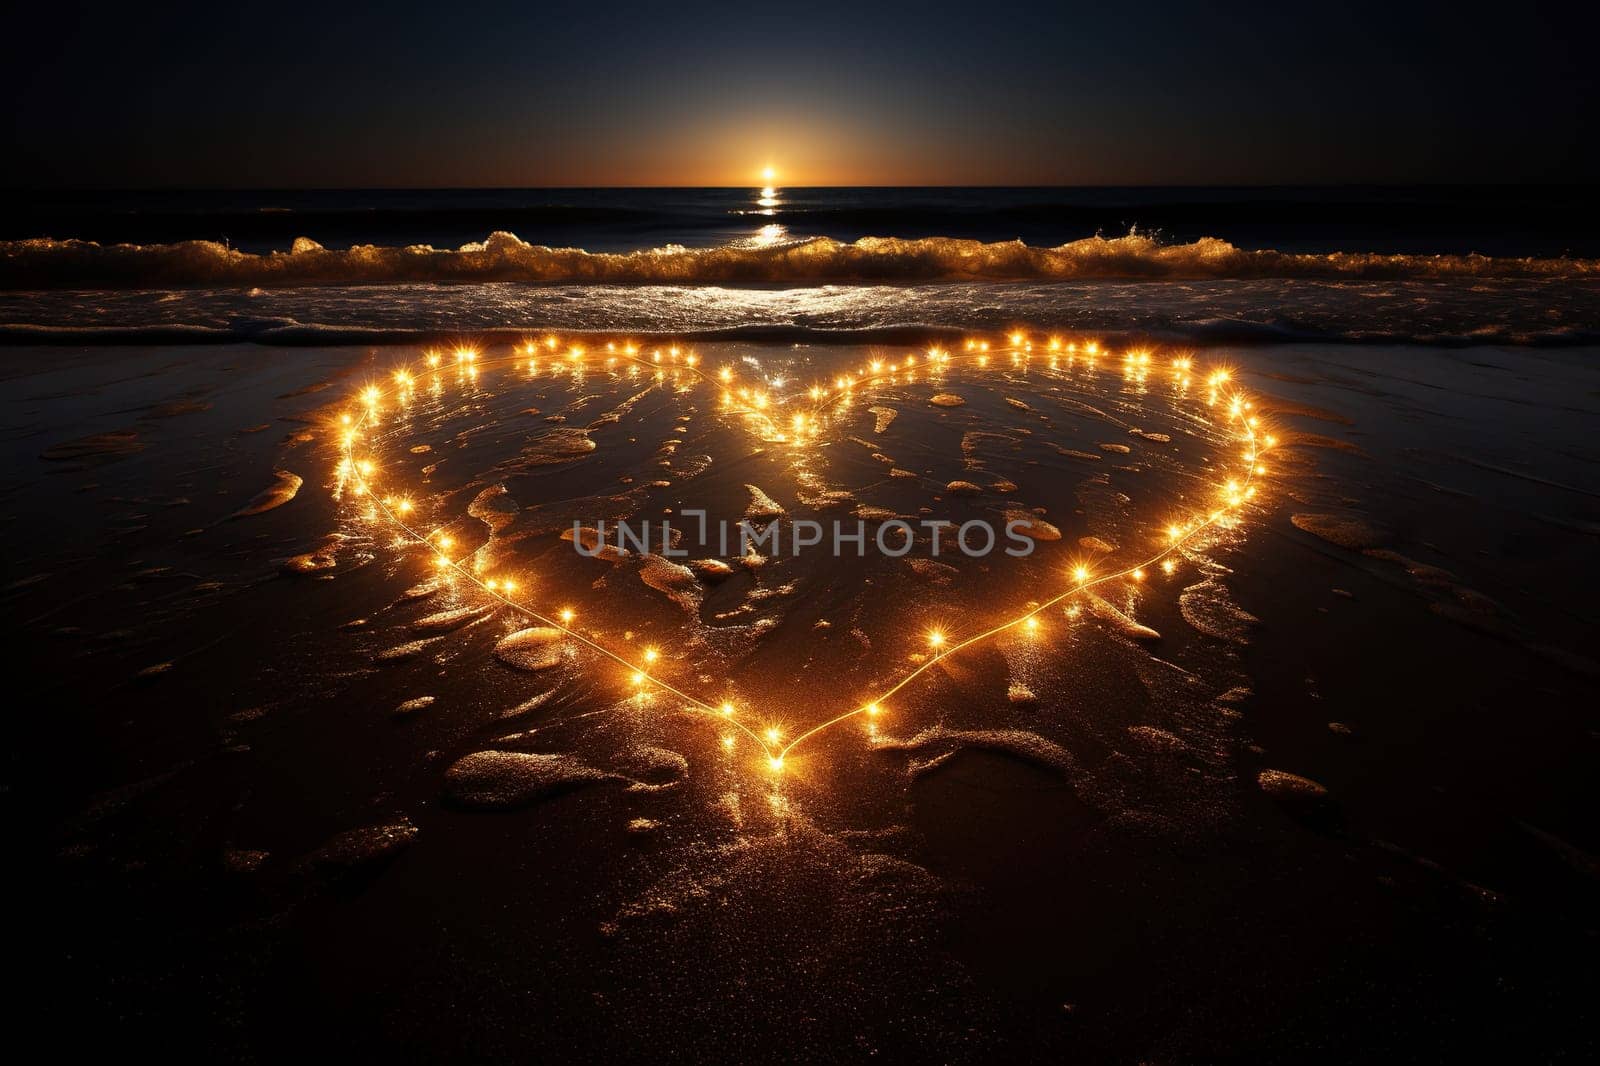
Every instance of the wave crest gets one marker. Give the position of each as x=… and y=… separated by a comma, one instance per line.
x=44, y=263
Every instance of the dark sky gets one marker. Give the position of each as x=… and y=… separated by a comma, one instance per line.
x=596, y=93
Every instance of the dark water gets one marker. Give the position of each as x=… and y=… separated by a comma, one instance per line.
x=1491, y=220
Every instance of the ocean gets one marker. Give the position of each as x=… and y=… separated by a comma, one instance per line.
x=1502, y=221
x=1428, y=265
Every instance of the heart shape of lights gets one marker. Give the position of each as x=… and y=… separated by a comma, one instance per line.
x=358, y=475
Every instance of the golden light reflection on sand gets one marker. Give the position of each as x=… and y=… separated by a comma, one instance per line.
x=795, y=418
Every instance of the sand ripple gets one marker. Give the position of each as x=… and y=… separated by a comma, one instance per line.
x=496, y=780
x=535, y=648
x=280, y=492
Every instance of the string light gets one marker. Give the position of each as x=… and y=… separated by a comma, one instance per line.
x=360, y=474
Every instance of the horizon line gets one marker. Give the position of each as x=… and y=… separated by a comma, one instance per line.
x=754, y=185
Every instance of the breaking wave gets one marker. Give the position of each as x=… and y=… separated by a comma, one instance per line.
x=45, y=263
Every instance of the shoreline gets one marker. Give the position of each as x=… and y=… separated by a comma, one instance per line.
x=1241, y=335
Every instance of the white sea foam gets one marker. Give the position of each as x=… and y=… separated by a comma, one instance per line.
x=49, y=263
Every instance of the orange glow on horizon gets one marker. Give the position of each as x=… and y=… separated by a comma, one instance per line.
x=800, y=148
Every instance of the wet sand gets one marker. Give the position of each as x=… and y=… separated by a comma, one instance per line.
x=1319, y=792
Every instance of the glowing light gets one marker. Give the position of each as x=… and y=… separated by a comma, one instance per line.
x=775, y=763
x=768, y=235
x=1233, y=490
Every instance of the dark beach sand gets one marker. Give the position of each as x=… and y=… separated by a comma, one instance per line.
x=1335, y=809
